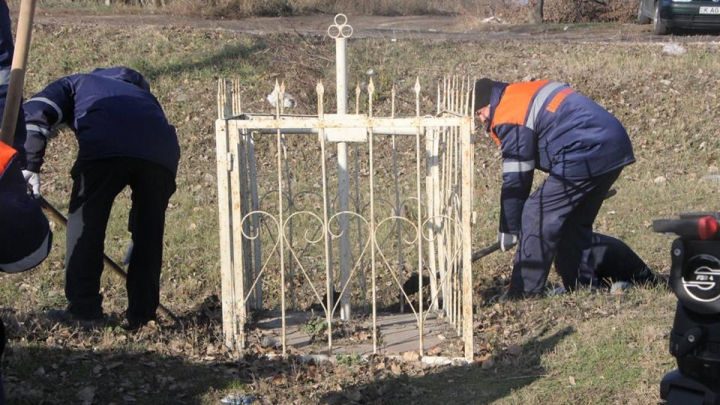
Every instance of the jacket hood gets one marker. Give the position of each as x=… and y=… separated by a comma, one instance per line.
x=125, y=74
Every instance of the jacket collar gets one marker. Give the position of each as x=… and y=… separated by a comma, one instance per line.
x=497, y=92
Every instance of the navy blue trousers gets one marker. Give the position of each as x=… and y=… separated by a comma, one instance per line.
x=95, y=186
x=557, y=221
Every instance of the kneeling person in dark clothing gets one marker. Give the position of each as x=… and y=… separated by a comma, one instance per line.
x=124, y=139
x=614, y=261
x=616, y=266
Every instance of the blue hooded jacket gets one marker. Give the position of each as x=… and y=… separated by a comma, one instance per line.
x=112, y=113
x=548, y=126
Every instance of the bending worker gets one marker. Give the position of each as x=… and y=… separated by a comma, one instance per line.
x=124, y=139
x=547, y=126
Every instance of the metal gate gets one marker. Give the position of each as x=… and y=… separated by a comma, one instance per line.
x=290, y=223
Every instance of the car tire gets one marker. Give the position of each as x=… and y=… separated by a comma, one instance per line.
x=659, y=26
x=641, y=19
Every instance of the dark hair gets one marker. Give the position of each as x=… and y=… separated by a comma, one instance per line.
x=483, y=89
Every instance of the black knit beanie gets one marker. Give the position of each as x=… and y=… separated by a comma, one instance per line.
x=483, y=89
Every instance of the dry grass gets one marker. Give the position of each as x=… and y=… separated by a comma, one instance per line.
x=662, y=100
x=565, y=11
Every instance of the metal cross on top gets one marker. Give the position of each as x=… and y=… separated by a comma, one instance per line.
x=340, y=29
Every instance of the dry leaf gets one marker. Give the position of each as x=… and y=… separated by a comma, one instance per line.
x=411, y=355
x=279, y=380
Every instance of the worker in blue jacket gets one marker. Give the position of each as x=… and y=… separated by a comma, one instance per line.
x=25, y=236
x=124, y=139
x=547, y=126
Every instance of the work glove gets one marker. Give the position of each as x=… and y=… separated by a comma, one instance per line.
x=507, y=241
x=33, y=181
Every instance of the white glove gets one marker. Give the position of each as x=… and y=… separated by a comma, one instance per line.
x=33, y=181
x=507, y=241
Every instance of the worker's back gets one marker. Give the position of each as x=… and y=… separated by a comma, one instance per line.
x=580, y=139
x=112, y=113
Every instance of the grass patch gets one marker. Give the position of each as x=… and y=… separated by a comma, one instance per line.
x=662, y=100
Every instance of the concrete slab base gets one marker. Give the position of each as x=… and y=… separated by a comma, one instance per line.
x=397, y=333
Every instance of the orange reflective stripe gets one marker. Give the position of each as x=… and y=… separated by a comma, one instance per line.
x=6, y=155
x=558, y=99
x=513, y=107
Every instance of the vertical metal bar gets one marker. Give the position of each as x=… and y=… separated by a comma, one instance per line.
x=447, y=302
x=398, y=210
x=320, y=90
x=244, y=195
x=467, y=190
x=429, y=209
x=226, y=270
x=291, y=205
x=281, y=219
x=236, y=101
x=421, y=321
x=454, y=188
x=236, y=204
x=437, y=208
x=449, y=206
x=255, y=207
x=343, y=178
x=458, y=233
x=358, y=221
x=371, y=90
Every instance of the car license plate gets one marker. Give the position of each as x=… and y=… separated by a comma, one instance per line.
x=709, y=10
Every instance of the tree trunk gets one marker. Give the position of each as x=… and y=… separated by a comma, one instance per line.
x=536, y=11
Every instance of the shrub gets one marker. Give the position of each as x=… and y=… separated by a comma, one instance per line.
x=576, y=11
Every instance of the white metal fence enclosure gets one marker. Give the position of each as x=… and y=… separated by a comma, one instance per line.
x=349, y=216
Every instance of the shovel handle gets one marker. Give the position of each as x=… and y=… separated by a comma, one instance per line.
x=485, y=251
x=17, y=72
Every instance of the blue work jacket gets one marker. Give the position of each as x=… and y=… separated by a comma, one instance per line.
x=548, y=126
x=112, y=113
